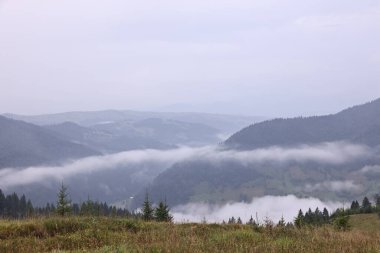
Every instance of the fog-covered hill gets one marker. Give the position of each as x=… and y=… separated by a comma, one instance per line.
x=359, y=124
x=23, y=144
x=107, y=138
x=328, y=157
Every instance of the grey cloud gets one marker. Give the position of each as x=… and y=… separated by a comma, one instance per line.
x=336, y=186
x=371, y=169
x=91, y=55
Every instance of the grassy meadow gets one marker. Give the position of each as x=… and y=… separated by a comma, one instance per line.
x=98, y=234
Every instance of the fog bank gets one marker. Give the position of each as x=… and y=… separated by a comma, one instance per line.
x=272, y=207
x=325, y=153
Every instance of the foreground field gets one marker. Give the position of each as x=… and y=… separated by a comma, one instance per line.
x=122, y=235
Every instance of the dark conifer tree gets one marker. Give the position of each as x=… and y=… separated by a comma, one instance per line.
x=147, y=209
x=250, y=221
x=232, y=220
x=2, y=203
x=309, y=217
x=22, y=206
x=326, y=215
x=15, y=206
x=29, y=209
x=299, y=221
x=377, y=201
x=355, y=206
x=366, y=206
x=162, y=212
x=63, y=202
x=318, y=217
x=281, y=223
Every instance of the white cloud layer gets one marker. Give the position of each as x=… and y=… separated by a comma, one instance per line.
x=336, y=186
x=328, y=153
x=272, y=207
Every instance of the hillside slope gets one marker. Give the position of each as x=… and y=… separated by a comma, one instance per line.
x=107, y=138
x=23, y=144
x=359, y=124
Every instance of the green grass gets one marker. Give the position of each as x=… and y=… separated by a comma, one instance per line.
x=80, y=234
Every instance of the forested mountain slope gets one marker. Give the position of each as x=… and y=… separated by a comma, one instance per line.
x=357, y=124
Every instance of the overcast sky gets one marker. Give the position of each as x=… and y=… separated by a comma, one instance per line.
x=257, y=57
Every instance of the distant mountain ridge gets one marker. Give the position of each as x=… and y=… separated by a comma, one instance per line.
x=359, y=124
x=226, y=123
x=23, y=144
x=113, y=131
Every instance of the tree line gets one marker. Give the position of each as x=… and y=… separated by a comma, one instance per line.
x=339, y=218
x=161, y=213
x=14, y=207
x=365, y=207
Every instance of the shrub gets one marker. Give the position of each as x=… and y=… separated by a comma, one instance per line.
x=342, y=222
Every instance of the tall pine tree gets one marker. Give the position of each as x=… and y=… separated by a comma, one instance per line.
x=162, y=212
x=366, y=206
x=299, y=221
x=147, y=209
x=63, y=203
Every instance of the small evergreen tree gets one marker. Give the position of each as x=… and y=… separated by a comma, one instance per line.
x=63, y=203
x=29, y=209
x=377, y=201
x=281, y=223
x=355, y=207
x=366, y=205
x=250, y=221
x=299, y=221
x=232, y=220
x=318, y=217
x=147, y=209
x=15, y=206
x=2, y=203
x=342, y=222
x=22, y=206
x=309, y=217
x=162, y=212
x=326, y=215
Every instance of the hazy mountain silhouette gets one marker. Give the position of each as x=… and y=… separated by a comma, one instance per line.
x=115, y=131
x=107, y=138
x=225, y=124
x=23, y=144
